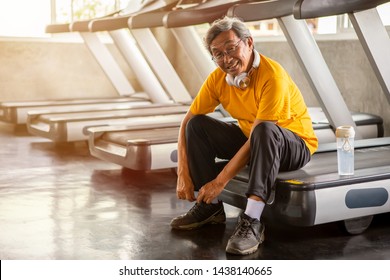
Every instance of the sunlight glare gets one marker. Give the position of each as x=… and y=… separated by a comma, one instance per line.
x=24, y=18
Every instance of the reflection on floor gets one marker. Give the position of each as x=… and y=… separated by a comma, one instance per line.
x=58, y=202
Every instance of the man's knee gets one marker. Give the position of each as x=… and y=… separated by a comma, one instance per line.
x=195, y=123
x=196, y=120
x=265, y=130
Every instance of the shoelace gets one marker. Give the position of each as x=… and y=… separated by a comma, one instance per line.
x=243, y=228
x=196, y=211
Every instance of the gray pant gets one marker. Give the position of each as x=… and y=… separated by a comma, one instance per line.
x=273, y=149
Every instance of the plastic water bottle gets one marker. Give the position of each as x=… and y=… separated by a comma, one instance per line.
x=345, y=150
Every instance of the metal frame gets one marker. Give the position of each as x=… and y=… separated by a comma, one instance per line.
x=140, y=66
x=107, y=63
x=376, y=44
x=314, y=66
x=161, y=65
x=189, y=40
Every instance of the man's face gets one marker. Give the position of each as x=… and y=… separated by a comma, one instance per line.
x=232, y=54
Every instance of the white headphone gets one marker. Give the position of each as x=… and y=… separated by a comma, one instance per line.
x=243, y=80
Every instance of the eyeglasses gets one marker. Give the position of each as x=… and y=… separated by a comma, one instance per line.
x=230, y=50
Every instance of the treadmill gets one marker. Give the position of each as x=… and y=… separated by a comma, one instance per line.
x=120, y=144
x=69, y=126
x=316, y=194
x=72, y=126
x=15, y=112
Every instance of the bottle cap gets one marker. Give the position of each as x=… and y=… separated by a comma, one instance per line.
x=345, y=132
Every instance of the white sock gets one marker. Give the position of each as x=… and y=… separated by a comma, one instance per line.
x=254, y=208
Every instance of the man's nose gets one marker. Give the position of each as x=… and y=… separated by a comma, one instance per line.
x=227, y=58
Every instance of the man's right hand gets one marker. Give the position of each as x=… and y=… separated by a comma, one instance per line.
x=185, y=187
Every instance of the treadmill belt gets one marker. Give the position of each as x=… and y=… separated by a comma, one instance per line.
x=152, y=136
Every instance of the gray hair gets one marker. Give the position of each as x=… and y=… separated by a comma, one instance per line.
x=226, y=24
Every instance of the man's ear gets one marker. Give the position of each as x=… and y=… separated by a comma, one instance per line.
x=250, y=42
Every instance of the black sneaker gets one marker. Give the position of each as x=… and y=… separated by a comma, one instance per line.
x=247, y=236
x=199, y=215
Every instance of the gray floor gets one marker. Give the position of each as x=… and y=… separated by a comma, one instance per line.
x=58, y=202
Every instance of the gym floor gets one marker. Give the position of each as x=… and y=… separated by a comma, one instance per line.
x=58, y=202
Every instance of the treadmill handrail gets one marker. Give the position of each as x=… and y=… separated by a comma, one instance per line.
x=109, y=23
x=203, y=13
x=274, y=9
x=120, y=21
x=57, y=28
x=147, y=20
x=83, y=25
x=150, y=19
x=304, y=9
x=80, y=25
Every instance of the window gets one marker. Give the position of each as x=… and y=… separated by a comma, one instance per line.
x=26, y=18
x=71, y=10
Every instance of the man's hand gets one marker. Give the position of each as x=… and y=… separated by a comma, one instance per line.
x=185, y=188
x=210, y=191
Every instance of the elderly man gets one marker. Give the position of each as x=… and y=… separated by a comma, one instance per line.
x=274, y=133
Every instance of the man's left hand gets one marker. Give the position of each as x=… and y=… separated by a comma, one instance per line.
x=210, y=191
